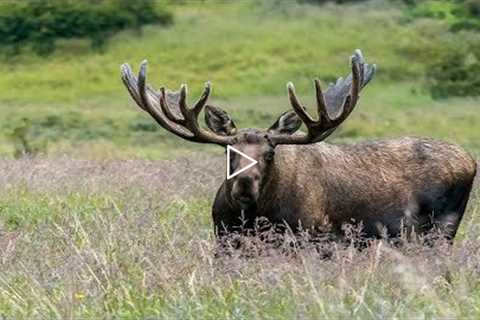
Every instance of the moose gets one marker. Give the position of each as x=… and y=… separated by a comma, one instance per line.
x=388, y=186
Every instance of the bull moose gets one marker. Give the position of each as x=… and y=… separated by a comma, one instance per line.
x=386, y=185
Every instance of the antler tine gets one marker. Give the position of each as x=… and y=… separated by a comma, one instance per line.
x=370, y=73
x=166, y=109
x=191, y=115
x=147, y=105
x=321, y=106
x=197, y=108
x=351, y=100
x=128, y=80
x=182, y=103
x=361, y=63
x=297, y=107
x=357, y=78
x=149, y=100
x=340, y=99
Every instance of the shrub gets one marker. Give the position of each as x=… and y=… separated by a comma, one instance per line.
x=40, y=23
x=456, y=72
x=25, y=142
x=459, y=14
x=469, y=15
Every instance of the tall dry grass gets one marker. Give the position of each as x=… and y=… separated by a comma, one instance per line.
x=133, y=239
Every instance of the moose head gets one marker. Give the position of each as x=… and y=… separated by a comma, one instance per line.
x=170, y=110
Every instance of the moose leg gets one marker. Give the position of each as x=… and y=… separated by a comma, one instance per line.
x=447, y=221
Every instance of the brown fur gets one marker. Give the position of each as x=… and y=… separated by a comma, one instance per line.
x=417, y=183
x=387, y=186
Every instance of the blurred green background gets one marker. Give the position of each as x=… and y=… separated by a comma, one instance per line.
x=61, y=94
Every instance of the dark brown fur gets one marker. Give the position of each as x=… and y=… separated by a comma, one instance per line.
x=385, y=185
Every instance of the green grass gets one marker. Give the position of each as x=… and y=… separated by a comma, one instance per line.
x=249, y=50
x=95, y=132
x=77, y=105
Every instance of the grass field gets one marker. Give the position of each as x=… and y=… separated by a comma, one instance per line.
x=133, y=239
x=112, y=219
x=76, y=105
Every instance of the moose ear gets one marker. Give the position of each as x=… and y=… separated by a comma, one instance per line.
x=287, y=123
x=219, y=121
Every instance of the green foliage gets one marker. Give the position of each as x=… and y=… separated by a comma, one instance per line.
x=443, y=9
x=41, y=23
x=320, y=2
x=469, y=16
x=459, y=14
x=453, y=70
x=25, y=142
x=243, y=52
x=457, y=71
x=76, y=101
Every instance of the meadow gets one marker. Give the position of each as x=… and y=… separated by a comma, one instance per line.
x=111, y=219
x=73, y=102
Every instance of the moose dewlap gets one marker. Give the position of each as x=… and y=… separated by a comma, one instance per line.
x=389, y=186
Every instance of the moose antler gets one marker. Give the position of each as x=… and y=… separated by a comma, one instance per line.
x=170, y=109
x=333, y=106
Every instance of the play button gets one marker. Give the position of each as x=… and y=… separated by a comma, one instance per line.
x=240, y=170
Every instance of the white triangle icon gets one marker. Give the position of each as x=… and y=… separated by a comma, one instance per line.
x=251, y=164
